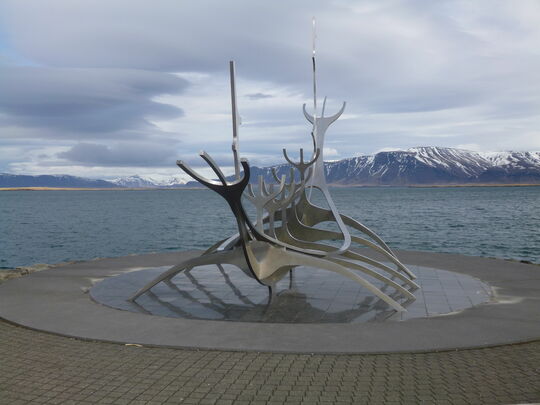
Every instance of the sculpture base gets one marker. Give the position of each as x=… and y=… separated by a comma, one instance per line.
x=311, y=296
x=58, y=301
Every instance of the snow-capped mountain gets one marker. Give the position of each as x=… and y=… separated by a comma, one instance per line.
x=137, y=181
x=428, y=165
x=414, y=166
x=172, y=182
x=133, y=181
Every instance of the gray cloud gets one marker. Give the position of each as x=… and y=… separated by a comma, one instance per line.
x=258, y=96
x=131, y=154
x=389, y=57
x=98, y=101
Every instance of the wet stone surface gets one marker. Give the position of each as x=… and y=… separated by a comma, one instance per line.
x=314, y=296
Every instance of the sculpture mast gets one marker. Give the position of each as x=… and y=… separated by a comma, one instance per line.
x=235, y=121
x=314, y=132
x=313, y=37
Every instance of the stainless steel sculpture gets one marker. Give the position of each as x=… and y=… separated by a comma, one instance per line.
x=284, y=235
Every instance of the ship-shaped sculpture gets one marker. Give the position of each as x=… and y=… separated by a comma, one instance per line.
x=284, y=235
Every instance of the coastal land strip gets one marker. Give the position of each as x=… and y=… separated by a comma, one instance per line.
x=203, y=188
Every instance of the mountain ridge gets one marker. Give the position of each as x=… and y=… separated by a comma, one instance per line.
x=137, y=181
x=427, y=166
x=8, y=180
x=423, y=165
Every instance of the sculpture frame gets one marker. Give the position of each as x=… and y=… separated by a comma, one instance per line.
x=267, y=252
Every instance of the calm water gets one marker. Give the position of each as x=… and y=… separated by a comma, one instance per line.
x=56, y=226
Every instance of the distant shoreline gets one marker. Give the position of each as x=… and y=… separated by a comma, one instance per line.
x=95, y=188
x=439, y=185
x=203, y=188
x=477, y=185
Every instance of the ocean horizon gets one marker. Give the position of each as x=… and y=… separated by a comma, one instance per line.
x=59, y=226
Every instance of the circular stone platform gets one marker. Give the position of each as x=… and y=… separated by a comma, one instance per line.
x=465, y=302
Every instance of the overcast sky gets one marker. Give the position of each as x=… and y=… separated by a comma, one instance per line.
x=112, y=88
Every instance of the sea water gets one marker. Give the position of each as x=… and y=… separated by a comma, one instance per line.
x=58, y=226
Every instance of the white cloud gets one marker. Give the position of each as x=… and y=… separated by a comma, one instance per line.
x=388, y=149
x=469, y=146
x=330, y=152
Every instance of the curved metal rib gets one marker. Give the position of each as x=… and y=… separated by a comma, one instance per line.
x=284, y=235
x=201, y=179
x=213, y=165
x=318, y=215
x=289, y=237
x=289, y=259
x=262, y=198
x=328, y=120
x=302, y=166
x=308, y=233
x=230, y=257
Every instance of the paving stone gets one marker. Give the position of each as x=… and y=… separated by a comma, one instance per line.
x=38, y=368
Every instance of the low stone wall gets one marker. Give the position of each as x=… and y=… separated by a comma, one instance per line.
x=23, y=271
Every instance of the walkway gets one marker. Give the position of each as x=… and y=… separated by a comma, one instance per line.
x=38, y=367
